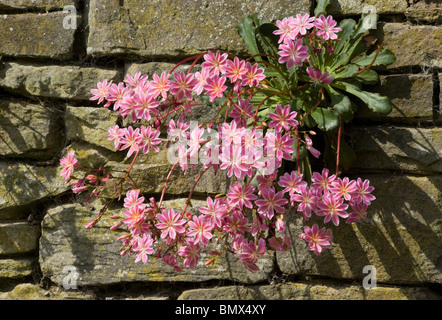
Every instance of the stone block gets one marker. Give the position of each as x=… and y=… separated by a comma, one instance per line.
x=29, y=130
x=309, y=291
x=388, y=147
x=35, y=4
x=400, y=237
x=29, y=291
x=36, y=35
x=410, y=96
x=52, y=81
x=425, y=11
x=412, y=45
x=18, y=237
x=16, y=268
x=95, y=253
x=356, y=7
x=176, y=28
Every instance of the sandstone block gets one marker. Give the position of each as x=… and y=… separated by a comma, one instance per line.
x=176, y=28
x=52, y=81
x=15, y=268
x=36, y=35
x=28, y=130
x=356, y=7
x=35, y=4
x=18, y=237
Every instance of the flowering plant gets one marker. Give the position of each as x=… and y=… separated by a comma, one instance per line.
x=269, y=110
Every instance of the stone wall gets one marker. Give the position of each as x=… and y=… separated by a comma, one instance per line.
x=53, y=56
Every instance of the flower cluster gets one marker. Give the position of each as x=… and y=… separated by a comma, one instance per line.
x=250, y=217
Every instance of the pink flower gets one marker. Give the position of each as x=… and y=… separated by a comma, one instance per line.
x=129, y=107
x=236, y=224
x=238, y=197
x=301, y=23
x=318, y=239
x=133, y=199
x=283, y=118
x=343, y=188
x=271, y=202
x=332, y=207
x=292, y=182
x=358, y=214
x=160, y=85
x=282, y=145
x=149, y=139
x=307, y=200
x=242, y=113
x=178, y=131
x=266, y=181
x=286, y=30
x=183, y=85
x=101, y=92
x=190, y=253
x=231, y=133
x=363, y=192
x=201, y=80
x=317, y=76
x=195, y=140
x=131, y=139
x=216, y=63
x=143, y=247
x=115, y=133
x=316, y=153
x=170, y=223
x=215, y=87
x=280, y=244
x=215, y=211
x=251, y=253
x=116, y=94
x=326, y=27
x=68, y=164
x=136, y=80
x=235, y=69
x=292, y=52
x=322, y=180
x=134, y=215
x=232, y=161
x=146, y=105
x=253, y=75
x=200, y=229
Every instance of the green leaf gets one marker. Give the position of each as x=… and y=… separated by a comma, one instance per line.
x=347, y=26
x=325, y=118
x=385, y=57
x=246, y=32
x=354, y=46
x=341, y=103
x=346, y=72
x=321, y=7
x=374, y=101
x=369, y=77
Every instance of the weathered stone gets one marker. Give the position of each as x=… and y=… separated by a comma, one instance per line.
x=35, y=4
x=400, y=237
x=28, y=291
x=151, y=68
x=95, y=253
x=28, y=130
x=52, y=81
x=306, y=291
x=18, y=237
x=16, y=268
x=176, y=28
x=410, y=97
x=90, y=125
x=425, y=11
x=22, y=184
x=397, y=148
x=412, y=45
x=36, y=35
x=356, y=7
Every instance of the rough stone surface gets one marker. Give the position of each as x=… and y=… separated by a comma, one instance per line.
x=28, y=130
x=176, y=28
x=35, y=4
x=16, y=268
x=90, y=125
x=36, y=35
x=412, y=45
x=22, y=184
x=410, y=97
x=27, y=291
x=401, y=237
x=95, y=253
x=355, y=7
x=53, y=81
x=397, y=148
x=19, y=237
x=306, y=291
x=425, y=11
